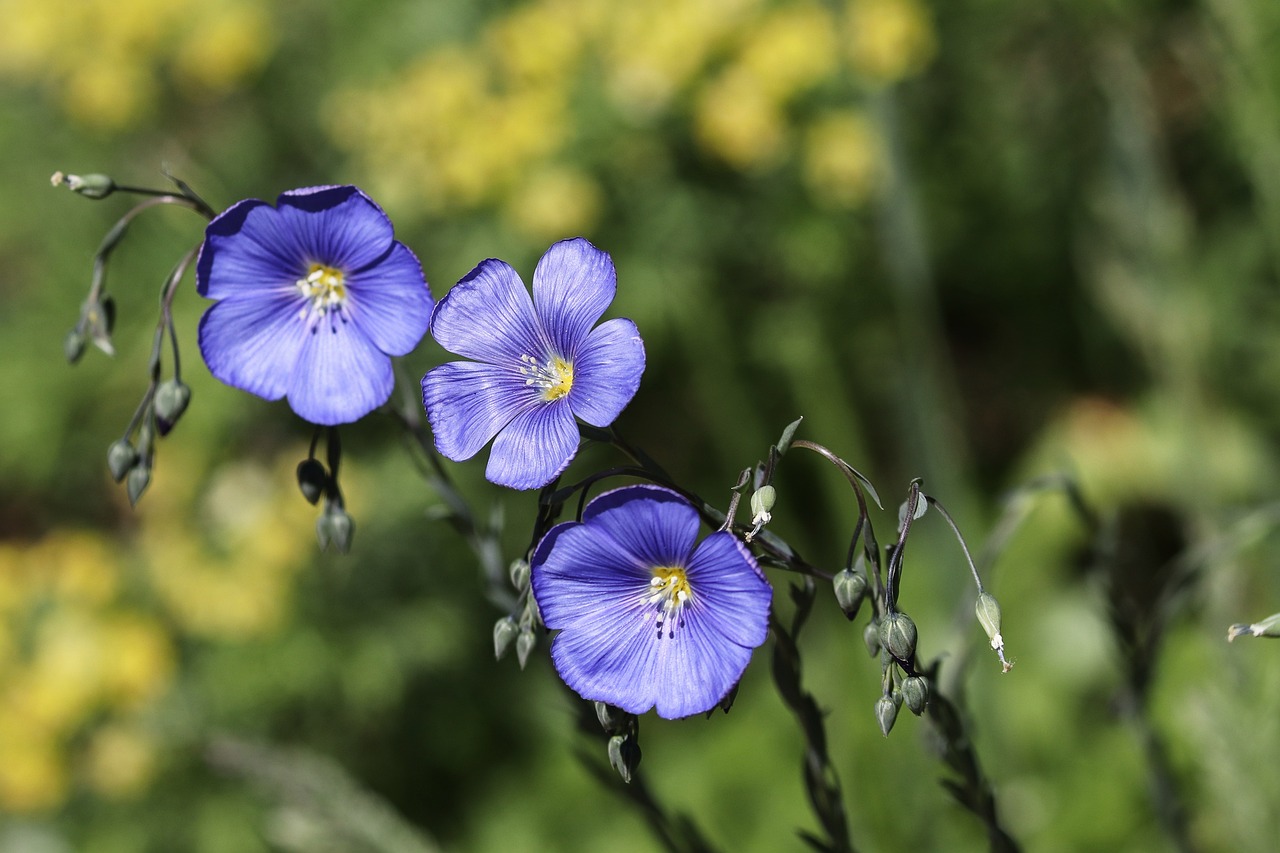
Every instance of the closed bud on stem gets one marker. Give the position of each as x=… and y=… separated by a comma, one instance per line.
x=851, y=589
x=898, y=636
x=612, y=720
x=915, y=694
x=886, y=714
x=871, y=636
x=335, y=527
x=121, y=457
x=524, y=645
x=73, y=345
x=138, y=479
x=312, y=479
x=172, y=398
x=988, y=610
x=90, y=186
x=519, y=574
x=504, y=631
x=624, y=755
x=1269, y=627
x=762, y=501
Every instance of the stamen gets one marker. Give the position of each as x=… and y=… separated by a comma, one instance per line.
x=668, y=593
x=324, y=291
x=554, y=376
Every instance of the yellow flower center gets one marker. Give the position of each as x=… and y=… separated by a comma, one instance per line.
x=669, y=591
x=554, y=377
x=324, y=290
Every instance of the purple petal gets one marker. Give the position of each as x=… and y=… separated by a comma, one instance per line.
x=727, y=580
x=467, y=403
x=607, y=371
x=390, y=301
x=655, y=525
x=336, y=226
x=245, y=251
x=253, y=343
x=488, y=316
x=340, y=375
x=573, y=284
x=534, y=448
x=581, y=576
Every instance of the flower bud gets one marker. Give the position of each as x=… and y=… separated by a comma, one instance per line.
x=524, y=645
x=1269, y=627
x=612, y=719
x=121, y=457
x=312, y=479
x=898, y=635
x=172, y=398
x=988, y=610
x=519, y=574
x=915, y=694
x=871, y=636
x=851, y=589
x=90, y=186
x=335, y=527
x=624, y=755
x=139, y=478
x=504, y=631
x=73, y=345
x=886, y=714
x=762, y=500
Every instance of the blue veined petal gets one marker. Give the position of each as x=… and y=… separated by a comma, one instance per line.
x=488, y=316
x=584, y=576
x=724, y=576
x=253, y=343
x=655, y=524
x=390, y=301
x=534, y=448
x=468, y=402
x=340, y=375
x=573, y=284
x=245, y=251
x=338, y=226
x=607, y=371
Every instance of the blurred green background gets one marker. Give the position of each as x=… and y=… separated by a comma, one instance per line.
x=976, y=242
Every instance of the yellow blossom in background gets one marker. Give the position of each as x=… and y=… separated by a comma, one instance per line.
x=736, y=120
x=540, y=43
x=790, y=49
x=888, y=40
x=553, y=202
x=842, y=158
x=120, y=761
x=105, y=60
x=33, y=772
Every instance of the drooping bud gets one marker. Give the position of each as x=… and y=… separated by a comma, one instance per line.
x=871, y=636
x=886, y=714
x=335, y=527
x=172, y=398
x=624, y=755
x=90, y=186
x=613, y=720
x=519, y=574
x=898, y=635
x=851, y=589
x=504, y=631
x=524, y=645
x=73, y=345
x=121, y=457
x=915, y=694
x=988, y=610
x=312, y=479
x=762, y=500
x=1269, y=627
x=139, y=478
x=97, y=319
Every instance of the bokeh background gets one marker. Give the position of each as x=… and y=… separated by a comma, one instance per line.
x=977, y=242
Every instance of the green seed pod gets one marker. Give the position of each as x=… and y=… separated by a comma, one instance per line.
x=90, y=186
x=886, y=714
x=898, y=636
x=121, y=457
x=504, y=631
x=850, y=589
x=915, y=694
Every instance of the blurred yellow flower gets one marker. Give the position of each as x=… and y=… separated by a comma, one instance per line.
x=226, y=43
x=141, y=660
x=554, y=202
x=33, y=774
x=790, y=49
x=737, y=121
x=120, y=761
x=842, y=158
x=888, y=40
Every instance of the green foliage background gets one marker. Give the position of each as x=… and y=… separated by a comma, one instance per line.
x=975, y=241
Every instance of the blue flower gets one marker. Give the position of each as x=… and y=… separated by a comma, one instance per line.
x=647, y=619
x=538, y=365
x=314, y=297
